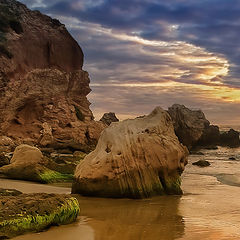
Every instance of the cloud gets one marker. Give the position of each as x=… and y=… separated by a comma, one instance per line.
x=142, y=53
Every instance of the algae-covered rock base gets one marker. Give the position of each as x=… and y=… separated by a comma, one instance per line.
x=28, y=163
x=135, y=158
x=35, y=212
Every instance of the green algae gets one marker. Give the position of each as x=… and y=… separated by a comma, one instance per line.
x=50, y=176
x=22, y=223
x=173, y=186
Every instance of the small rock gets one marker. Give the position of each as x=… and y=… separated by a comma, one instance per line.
x=4, y=160
x=202, y=163
x=108, y=118
x=211, y=147
x=232, y=158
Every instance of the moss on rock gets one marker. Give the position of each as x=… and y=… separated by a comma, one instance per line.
x=50, y=176
x=51, y=210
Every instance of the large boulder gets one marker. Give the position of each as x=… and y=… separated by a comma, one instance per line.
x=108, y=118
x=189, y=124
x=134, y=158
x=42, y=99
x=28, y=163
x=21, y=213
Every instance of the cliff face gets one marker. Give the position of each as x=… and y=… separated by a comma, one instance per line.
x=43, y=88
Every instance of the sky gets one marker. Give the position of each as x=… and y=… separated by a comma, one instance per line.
x=146, y=53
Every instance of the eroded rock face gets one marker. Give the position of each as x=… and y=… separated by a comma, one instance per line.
x=108, y=118
x=134, y=158
x=43, y=88
x=189, y=124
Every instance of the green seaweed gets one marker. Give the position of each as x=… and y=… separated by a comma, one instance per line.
x=64, y=214
x=50, y=176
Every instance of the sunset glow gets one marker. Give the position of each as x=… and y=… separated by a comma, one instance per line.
x=166, y=52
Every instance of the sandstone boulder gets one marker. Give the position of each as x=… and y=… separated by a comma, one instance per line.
x=108, y=118
x=43, y=87
x=134, y=158
x=28, y=163
x=189, y=124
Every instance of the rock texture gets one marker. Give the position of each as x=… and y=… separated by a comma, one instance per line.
x=43, y=88
x=230, y=138
x=28, y=163
x=194, y=130
x=134, y=158
x=189, y=124
x=108, y=118
x=21, y=213
x=202, y=163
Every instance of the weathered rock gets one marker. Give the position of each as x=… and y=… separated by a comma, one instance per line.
x=202, y=163
x=210, y=136
x=189, y=124
x=42, y=99
x=108, y=118
x=230, y=138
x=9, y=192
x=35, y=212
x=28, y=163
x=134, y=158
x=4, y=160
x=6, y=141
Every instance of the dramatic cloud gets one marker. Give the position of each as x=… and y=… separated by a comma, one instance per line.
x=143, y=53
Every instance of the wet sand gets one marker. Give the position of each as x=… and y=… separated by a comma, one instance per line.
x=209, y=208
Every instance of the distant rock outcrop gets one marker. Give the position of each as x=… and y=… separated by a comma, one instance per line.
x=194, y=130
x=230, y=138
x=134, y=158
x=189, y=124
x=108, y=118
x=43, y=88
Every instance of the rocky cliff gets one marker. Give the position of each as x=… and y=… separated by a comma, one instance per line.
x=43, y=88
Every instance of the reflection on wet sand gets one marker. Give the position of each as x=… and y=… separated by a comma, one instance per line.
x=113, y=219
x=157, y=218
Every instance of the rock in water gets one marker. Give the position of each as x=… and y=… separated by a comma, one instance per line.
x=43, y=88
x=21, y=213
x=189, y=124
x=134, y=158
x=202, y=163
x=108, y=118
